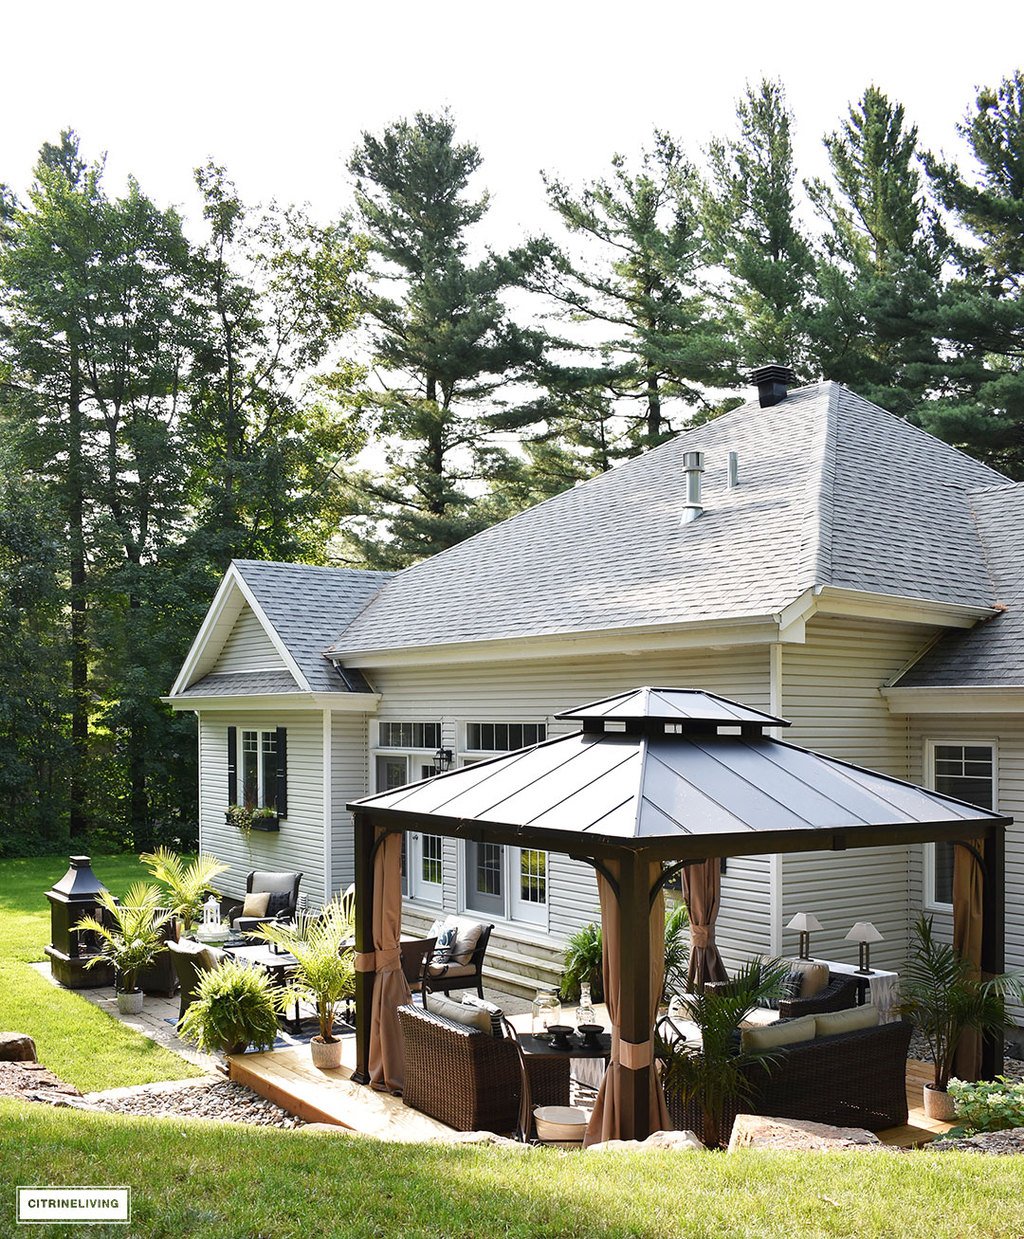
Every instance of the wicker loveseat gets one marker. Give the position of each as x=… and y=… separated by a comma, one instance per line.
x=854, y=1079
x=470, y=1079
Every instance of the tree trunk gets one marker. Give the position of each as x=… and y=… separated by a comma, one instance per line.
x=138, y=748
x=78, y=820
x=653, y=408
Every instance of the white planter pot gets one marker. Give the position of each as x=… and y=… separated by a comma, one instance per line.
x=130, y=1003
x=326, y=1054
x=938, y=1104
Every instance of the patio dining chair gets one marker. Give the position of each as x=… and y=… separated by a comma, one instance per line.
x=416, y=956
x=191, y=960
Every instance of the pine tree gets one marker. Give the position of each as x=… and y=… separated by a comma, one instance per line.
x=749, y=210
x=878, y=277
x=447, y=354
x=983, y=310
x=641, y=283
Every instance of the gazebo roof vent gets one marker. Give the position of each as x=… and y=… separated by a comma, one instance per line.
x=686, y=709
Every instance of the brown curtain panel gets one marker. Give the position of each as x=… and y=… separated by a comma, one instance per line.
x=968, y=884
x=702, y=885
x=606, y=1120
x=391, y=990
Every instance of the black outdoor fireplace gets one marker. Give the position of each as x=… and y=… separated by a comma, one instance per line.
x=76, y=896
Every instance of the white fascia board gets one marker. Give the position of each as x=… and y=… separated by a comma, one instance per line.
x=863, y=604
x=337, y=703
x=221, y=599
x=955, y=700
x=711, y=633
x=272, y=633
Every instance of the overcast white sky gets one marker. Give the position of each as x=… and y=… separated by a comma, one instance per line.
x=280, y=92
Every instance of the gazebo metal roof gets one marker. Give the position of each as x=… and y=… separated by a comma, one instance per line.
x=684, y=774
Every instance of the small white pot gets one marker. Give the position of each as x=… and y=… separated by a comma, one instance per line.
x=129, y=1002
x=938, y=1104
x=326, y=1054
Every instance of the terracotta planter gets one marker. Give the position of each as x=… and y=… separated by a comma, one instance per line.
x=938, y=1104
x=129, y=1002
x=326, y=1054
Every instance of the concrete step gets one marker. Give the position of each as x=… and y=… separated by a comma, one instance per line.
x=545, y=973
x=511, y=982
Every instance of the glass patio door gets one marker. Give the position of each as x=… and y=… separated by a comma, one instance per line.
x=485, y=878
x=528, y=885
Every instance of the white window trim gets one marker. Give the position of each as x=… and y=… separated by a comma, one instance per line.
x=931, y=904
x=261, y=789
x=403, y=750
x=477, y=754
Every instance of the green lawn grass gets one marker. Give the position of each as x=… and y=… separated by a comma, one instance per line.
x=82, y=1044
x=224, y=1181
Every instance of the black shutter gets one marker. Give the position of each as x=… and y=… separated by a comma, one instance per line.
x=282, y=772
x=232, y=765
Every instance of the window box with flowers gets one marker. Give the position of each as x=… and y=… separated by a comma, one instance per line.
x=252, y=819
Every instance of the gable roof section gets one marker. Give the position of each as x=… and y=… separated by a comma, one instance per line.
x=990, y=655
x=833, y=491
x=299, y=606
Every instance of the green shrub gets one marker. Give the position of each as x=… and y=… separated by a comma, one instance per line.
x=235, y=1006
x=987, y=1105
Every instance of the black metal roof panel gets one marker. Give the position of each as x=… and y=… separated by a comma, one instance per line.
x=672, y=705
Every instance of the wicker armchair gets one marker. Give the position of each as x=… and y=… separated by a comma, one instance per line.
x=855, y=1079
x=283, y=889
x=469, y=1079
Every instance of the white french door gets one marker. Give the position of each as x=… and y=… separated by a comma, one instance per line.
x=509, y=882
x=422, y=863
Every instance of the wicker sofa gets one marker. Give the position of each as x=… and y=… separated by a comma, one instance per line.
x=839, y=994
x=854, y=1079
x=470, y=1079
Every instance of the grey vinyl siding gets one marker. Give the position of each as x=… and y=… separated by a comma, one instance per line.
x=535, y=692
x=299, y=843
x=831, y=694
x=248, y=648
x=1007, y=732
x=349, y=775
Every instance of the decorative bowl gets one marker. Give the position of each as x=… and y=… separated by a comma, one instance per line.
x=567, y=1124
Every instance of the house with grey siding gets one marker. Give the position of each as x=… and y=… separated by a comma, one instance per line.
x=816, y=557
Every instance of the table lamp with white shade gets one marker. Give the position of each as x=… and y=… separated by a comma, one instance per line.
x=804, y=922
x=864, y=933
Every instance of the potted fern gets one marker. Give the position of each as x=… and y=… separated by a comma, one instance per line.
x=325, y=970
x=711, y=1079
x=186, y=883
x=236, y=1006
x=584, y=954
x=129, y=938
x=944, y=998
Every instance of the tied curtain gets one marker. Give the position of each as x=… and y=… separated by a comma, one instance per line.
x=702, y=885
x=606, y=1120
x=968, y=888
x=391, y=990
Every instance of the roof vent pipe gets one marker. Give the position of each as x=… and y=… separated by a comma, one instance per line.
x=693, y=467
x=734, y=470
x=771, y=383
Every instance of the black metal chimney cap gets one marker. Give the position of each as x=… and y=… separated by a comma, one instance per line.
x=772, y=382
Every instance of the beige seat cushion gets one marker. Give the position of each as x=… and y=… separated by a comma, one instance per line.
x=786, y=1032
x=815, y=976
x=458, y=1013
x=760, y=1017
x=256, y=903
x=467, y=935
x=831, y=1023
x=450, y=970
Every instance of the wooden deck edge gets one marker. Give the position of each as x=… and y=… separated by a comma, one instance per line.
x=242, y=1073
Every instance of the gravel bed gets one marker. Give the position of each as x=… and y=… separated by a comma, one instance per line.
x=221, y=1099
x=999, y=1143
x=1013, y=1067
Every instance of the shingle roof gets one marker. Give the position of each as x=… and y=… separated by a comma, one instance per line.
x=833, y=490
x=307, y=606
x=242, y=684
x=990, y=655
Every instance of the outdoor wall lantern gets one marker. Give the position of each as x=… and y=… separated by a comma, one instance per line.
x=804, y=922
x=864, y=933
x=443, y=759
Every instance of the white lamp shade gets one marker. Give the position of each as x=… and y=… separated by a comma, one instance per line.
x=864, y=931
x=804, y=922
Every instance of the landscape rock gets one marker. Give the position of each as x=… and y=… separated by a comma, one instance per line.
x=16, y=1047
x=26, y=1079
x=1000, y=1143
x=655, y=1143
x=755, y=1131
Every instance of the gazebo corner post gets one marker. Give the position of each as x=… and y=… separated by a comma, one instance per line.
x=635, y=997
x=365, y=977
x=993, y=938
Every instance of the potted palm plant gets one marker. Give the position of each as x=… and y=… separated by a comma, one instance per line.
x=186, y=882
x=944, y=998
x=583, y=964
x=129, y=938
x=711, y=1079
x=235, y=1007
x=325, y=970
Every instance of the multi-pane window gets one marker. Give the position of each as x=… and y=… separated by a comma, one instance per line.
x=967, y=772
x=409, y=735
x=259, y=769
x=503, y=737
x=430, y=864
x=488, y=868
x=533, y=876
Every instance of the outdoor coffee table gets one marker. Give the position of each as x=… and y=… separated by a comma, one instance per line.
x=280, y=966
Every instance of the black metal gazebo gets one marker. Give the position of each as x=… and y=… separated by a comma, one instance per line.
x=655, y=781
